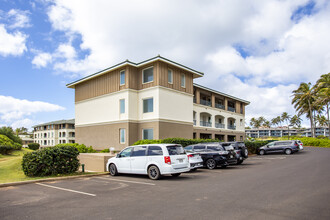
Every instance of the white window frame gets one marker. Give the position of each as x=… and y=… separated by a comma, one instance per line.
x=184, y=80
x=120, y=137
x=143, y=104
x=120, y=77
x=120, y=106
x=170, y=82
x=147, y=129
x=143, y=74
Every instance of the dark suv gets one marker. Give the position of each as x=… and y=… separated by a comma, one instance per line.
x=287, y=147
x=240, y=149
x=213, y=154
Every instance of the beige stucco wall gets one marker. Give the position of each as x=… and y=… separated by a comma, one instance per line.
x=94, y=162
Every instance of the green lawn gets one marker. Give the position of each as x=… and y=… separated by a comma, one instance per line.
x=11, y=168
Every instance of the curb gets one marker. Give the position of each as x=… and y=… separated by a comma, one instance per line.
x=49, y=179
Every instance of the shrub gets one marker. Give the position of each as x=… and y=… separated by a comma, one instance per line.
x=253, y=146
x=34, y=146
x=9, y=132
x=5, y=149
x=80, y=147
x=51, y=161
x=105, y=151
x=5, y=141
x=184, y=142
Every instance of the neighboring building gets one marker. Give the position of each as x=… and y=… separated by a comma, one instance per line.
x=283, y=131
x=153, y=99
x=26, y=139
x=55, y=132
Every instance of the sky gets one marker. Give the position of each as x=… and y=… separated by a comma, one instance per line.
x=255, y=50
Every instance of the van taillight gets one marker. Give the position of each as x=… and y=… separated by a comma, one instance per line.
x=190, y=155
x=167, y=160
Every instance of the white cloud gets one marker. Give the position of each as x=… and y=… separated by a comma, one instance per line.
x=42, y=59
x=26, y=123
x=12, y=43
x=15, y=111
x=18, y=18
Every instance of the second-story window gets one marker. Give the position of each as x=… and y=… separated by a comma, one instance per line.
x=148, y=75
x=170, y=76
x=148, y=105
x=122, y=106
x=183, y=80
x=122, y=77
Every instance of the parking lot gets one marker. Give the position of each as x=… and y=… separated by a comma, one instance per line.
x=264, y=187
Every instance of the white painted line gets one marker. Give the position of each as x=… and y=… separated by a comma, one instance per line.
x=69, y=190
x=126, y=181
x=269, y=158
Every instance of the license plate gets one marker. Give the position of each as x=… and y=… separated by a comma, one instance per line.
x=180, y=160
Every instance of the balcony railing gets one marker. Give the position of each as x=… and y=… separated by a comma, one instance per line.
x=219, y=125
x=217, y=105
x=194, y=122
x=205, y=102
x=205, y=124
x=233, y=127
x=231, y=109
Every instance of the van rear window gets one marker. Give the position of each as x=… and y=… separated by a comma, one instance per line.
x=175, y=150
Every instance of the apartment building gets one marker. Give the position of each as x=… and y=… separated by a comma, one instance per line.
x=283, y=131
x=54, y=132
x=153, y=99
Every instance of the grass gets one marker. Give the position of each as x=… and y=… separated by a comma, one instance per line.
x=11, y=168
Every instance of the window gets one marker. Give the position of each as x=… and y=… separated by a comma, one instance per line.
x=139, y=151
x=170, y=76
x=155, y=151
x=122, y=106
x=199, y=148
x=148, y=105
x=148, y=134
x=241, y=122
x=175, y=150
x=148, y=75
x=183, y=80
x=122, y=77
x=126, y=152
x=122, y=138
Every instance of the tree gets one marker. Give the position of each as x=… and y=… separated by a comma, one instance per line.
x=266, y=124
x=303, y=99
x=21, y=130
x=285, y=117
x=322, y=88
x=321, y=120
x=295, y=121
x=9, y=132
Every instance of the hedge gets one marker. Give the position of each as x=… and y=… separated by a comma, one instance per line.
x=184, y=142
x=80, y=147
x=51, y=161
x=5, y=141
x=34, y=146
x=314, y=142
x=253, y=146
x=6, y=149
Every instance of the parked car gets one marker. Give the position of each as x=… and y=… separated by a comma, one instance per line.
x=301, y=146
x=195, y=160
x=213, y=154
x=240, y=149
x=287, y=147
x=153, y=160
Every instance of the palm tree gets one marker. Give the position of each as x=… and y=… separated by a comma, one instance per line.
x=322, y=88
x=303, y=99
x=285, y=117
x=296, y=121
x=321, y=120
x=253, y=122
x=266, y=124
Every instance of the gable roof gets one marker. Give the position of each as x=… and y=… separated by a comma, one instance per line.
x=127, y=62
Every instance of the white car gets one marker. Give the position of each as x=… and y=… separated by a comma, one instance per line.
x=195, y=160
x=153, y=160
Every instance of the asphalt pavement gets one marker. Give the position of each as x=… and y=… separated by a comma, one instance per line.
x=264, y=187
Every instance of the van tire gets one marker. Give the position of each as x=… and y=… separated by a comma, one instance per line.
x=153, y=172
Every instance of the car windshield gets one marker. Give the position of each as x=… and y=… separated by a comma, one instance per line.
x=175, y=150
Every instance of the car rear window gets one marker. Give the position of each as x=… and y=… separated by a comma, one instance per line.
x=139, y=151
x=175, y=150
x=199, y=147
x=155, y=151
x=215, y=148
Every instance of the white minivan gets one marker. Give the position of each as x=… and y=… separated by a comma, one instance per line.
x=151, y=159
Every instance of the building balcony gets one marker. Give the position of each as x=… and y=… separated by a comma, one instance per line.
x=205, y=102
x=217, y=105
x=205, y=124
x=231, y=109
x=219, y=125
x=232, y=127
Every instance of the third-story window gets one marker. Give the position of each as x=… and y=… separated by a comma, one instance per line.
x=183, y=80
x=122, y=106
x=122, y=77
x=148, y=75
x=148, y=105
x=170, y=76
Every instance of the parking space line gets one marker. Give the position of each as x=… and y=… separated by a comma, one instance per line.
x=269, y=158
x=126, y=181
x=69, y=190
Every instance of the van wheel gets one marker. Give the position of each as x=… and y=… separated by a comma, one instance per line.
x=262, y=152
x=153, y=172
x=176, y=174
x=288, y=151
x=211, y=164
x=113, y=170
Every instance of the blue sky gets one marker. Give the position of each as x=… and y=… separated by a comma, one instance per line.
x=256, y=50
